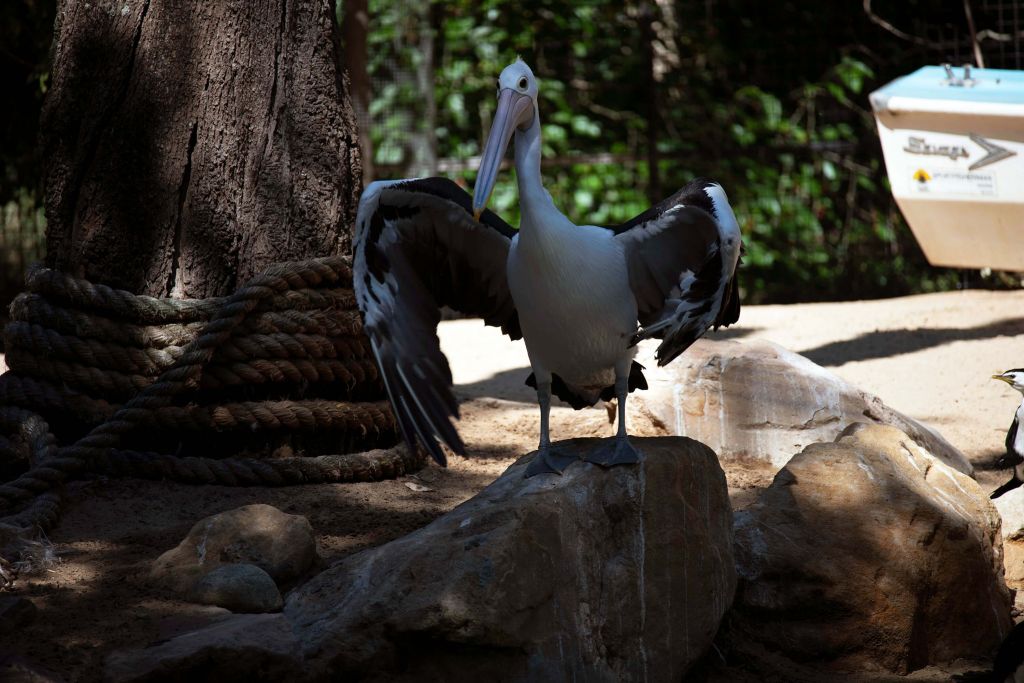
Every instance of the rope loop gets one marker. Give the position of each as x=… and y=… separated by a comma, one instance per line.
x=128, y=383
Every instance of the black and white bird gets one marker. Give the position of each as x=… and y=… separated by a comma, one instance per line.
x=1015, y=436
x=575, y=293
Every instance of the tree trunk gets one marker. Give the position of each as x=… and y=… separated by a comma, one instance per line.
x=355, y=29
x=190, y=144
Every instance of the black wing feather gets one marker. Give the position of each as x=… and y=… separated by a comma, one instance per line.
x=681, y=260
x=674, y=264
x=418, y=248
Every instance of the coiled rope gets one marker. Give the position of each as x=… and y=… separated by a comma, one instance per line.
x=121, y=366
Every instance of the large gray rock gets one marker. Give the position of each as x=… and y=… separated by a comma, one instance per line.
x=14, y=669
x=1011, y=510
x=869, y=552
x=758, y=400
x=280, y=544
x=239, y=588
x=596, y=575
x=245, y=647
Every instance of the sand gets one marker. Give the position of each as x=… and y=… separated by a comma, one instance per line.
x=929, y=356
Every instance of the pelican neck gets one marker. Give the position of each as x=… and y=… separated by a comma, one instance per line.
x=534, y=200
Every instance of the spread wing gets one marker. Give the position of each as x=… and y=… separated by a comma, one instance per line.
x=682, y=264
x=417, y=248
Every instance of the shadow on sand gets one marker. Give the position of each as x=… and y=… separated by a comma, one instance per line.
x=886, y=343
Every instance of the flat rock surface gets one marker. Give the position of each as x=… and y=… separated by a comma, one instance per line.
x=597, y=575
x=227, y=653
x=927, y=356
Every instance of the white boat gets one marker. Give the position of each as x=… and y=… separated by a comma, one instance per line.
x=953, y=141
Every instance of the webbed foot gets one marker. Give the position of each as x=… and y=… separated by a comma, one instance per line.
x=549, y=460
x=611, y=452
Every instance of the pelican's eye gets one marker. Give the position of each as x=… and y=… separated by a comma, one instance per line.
x=522, y=83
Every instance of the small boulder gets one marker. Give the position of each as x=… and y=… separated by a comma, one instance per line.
x=1011, y=509
x=600, y=575
x=239, y=588
x=756, y=400
x=869, y=552
x=280, y=544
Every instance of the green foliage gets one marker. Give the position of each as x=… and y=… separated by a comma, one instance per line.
x=24, y=79
x=22, y=237
x=816, y=219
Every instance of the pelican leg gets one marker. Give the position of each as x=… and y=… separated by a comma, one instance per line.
x=617, y=451
x=548, y=459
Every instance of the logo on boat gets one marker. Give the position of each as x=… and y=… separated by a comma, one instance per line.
x=993, y=152
x=954, y=182
x=921, y=146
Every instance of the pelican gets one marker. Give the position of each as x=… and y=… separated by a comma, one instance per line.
x=580, y=296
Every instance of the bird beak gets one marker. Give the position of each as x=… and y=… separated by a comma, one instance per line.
x=515, y=111
x=1003, y=378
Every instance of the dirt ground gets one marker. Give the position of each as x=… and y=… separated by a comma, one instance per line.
x=928, y=356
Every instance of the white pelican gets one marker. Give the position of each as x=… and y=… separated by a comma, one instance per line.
x=575, y=293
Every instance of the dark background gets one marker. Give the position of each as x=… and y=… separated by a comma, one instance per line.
x=637, y=98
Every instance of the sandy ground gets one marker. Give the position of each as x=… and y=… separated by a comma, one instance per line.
x=928, y=356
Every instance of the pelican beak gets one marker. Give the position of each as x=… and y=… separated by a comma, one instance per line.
x=515, y=111
x=1003, y=378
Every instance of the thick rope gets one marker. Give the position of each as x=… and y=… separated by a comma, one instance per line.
x=31, y=347
x=42, y=396
x=309, y=414
x=114, y=385
x=123, y=363
x=29, y=306
x=354, y=467
x=150, y=310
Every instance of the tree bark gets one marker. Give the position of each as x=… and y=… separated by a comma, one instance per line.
x=355, y=28
x=190, y=144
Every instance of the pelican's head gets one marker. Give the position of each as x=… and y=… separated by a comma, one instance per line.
x=1015, y=378
x=517, y=106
